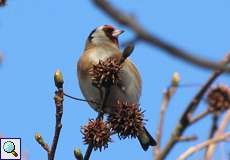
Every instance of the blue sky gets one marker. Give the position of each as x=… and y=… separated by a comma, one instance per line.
x=37, y=37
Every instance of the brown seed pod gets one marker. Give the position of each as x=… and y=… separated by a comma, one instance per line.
x=126, y=120
x=218, y=98
x=105, y=73
x=98, y=133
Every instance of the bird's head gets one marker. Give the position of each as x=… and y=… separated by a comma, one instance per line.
x=105, y=34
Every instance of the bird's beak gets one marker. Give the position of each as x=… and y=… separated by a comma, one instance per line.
x=117, y=32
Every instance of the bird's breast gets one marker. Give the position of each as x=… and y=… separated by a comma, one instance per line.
x=130, y=81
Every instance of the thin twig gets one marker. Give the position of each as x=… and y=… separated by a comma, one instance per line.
x=100, y=115
x=80, y=99
x=59, y=111
x=192, y=150
x=199, y=116
x=187, y=85
x=58, y=98
x=152, y=39
x=214, y=126
x=84, y=100
x=166, y=99
x=88, y=151
x=185, y=120
x=187, y=138
x=220, y=131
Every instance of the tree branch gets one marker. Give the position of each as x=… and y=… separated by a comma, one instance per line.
x=80, y=99
x=187, y=138
x=166, y=99
x=185, y=118
x=152, y=39
x=199, y=116
x=59, y=111
x=198, y=147
x=58, y=98
x=219, y=132
x=214, y=126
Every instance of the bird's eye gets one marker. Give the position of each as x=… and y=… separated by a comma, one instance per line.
x=108, y=30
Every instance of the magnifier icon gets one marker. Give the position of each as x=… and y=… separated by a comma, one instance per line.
x=9, y=147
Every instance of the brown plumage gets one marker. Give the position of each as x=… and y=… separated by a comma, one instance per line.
x=102, y=44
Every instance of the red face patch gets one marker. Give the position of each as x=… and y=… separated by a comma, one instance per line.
x=108, y=29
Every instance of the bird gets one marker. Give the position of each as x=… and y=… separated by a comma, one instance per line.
x=102, y=43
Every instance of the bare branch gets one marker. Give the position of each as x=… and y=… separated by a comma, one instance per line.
x=166, y=99
x=187, y=138
x=80, y=99
x=184, y=120
x=100, y=115
x=152, y=39
x=199, y=116
x=192, y=150
x=59, y=110
x=58, y=79
x=220, y=131
x=214, y=126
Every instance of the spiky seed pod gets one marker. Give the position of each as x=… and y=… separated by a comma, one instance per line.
x=105, y=73
x=98, y=133
x=2, y=2
x=126, y=120
x=218, y=98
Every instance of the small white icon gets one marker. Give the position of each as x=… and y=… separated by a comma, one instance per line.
x=10, y=148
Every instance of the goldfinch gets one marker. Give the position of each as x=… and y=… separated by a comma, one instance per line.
x=102, y=43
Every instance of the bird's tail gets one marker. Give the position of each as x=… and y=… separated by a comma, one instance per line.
x=146, y=139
